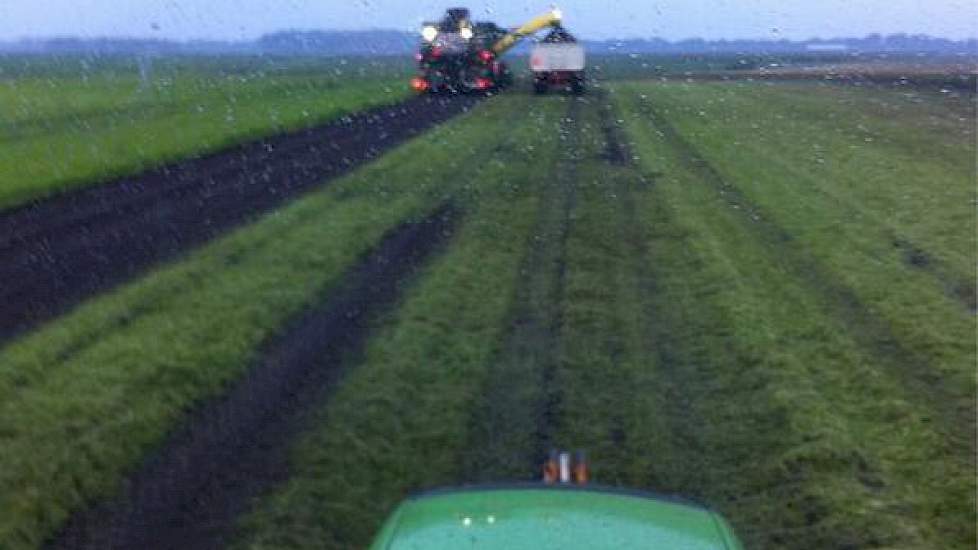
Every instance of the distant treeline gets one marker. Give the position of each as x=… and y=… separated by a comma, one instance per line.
x=389, y=42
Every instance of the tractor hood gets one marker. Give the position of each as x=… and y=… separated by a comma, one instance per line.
x=541, y=517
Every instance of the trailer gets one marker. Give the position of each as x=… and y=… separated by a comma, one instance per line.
x=558, y=61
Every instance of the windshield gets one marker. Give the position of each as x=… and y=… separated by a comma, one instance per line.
x=269, y=269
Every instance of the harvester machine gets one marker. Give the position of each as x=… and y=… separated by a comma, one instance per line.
x=458, y=55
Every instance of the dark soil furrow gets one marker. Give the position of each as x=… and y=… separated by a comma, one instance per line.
x=616, y=150
x=872, y=332
x=232, y=448
x=57, y=252
x=150, y=303
x=512, y=427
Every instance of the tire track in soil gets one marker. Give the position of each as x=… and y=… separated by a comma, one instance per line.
x=678, y=404
x=56, y=252
x=513, y=426
x=963, y=292
x=616, y=150
x=233, y=447
x=870, y=331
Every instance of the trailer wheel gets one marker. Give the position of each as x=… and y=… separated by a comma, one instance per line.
x=577, y=84
x=540, y=85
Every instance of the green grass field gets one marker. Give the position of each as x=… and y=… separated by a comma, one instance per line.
x=867, y=357
x=732, y=326
x=62, y=127
x=759, y=295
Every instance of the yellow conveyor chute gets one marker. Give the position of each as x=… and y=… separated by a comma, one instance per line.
x=550, y=19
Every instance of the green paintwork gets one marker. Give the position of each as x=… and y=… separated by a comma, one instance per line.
x=538, y=517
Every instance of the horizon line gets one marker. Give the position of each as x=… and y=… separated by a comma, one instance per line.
x=131, y=37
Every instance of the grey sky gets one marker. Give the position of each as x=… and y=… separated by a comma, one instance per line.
x=670, y=19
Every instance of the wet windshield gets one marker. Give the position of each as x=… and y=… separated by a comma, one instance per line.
x=267, y=269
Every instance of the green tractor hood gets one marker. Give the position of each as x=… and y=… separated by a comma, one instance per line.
x=559, y=516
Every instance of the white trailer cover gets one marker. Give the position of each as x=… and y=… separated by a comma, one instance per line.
x=551, y=57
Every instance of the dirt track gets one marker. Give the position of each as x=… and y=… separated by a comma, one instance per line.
x=513, y=425
x=57, y=252
x=188, y=494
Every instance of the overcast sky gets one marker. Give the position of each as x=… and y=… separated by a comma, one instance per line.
x=597, y=19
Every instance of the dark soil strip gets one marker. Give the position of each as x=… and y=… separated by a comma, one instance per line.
x=57, y=252
x=548, y=415
x=871, y=331
x=616, y=151
x=512, y=428
x=188, y=494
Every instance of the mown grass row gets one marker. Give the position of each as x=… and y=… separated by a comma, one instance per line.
x=401, y=419
x=875, y=159
x=854, y=178
x=96, y=390
x=850, y=226
x=756, y=398
x=57, y=134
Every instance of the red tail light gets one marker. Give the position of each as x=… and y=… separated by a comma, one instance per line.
x=485, y=56
x=419, y=84
x=435, y=52
x=483, y=83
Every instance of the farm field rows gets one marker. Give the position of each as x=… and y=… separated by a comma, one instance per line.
x=692, y=346
x=61, y=251
x=65, y=130
x=276, y=266
x=758, y=295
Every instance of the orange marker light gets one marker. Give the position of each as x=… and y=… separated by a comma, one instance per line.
x=419, y=84
x=582, y=474
x=551, y=468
